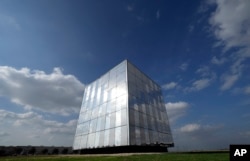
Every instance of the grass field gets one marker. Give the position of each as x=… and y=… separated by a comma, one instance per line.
x=122, y=157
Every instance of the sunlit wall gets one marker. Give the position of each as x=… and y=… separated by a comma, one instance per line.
x=123, y=107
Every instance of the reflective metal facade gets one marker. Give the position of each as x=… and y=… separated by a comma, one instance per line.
x=123, y=107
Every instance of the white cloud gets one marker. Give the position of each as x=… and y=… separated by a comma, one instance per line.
x=190, y=128
x=34, y=89
x=207, y=77
x=197, y=136
x=176, y=110
x=203, y=71
x=228, y=81
x=232, y=32
x=247, y=90
x=170, y=85
x=184, y=66
x=30, y=128
x=241, y=90
x=217, y=61
x=197, y=130
x=199, y=84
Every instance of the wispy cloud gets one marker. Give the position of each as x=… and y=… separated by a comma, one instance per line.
x=184, y=66
x=190, y=128
x=199, y=131
x=200, y=84
x=242, y=90
x=205, y=71
x=176, y=110
x=130, y=7
x=137, y=13
x=158, y=15
x=170, y=85
x=245, y=134
x=207, y=77
x=247, y=90
x=7, y=22
x=228, y=81
x=218, y=61
x=34, y=89
x=190, y=28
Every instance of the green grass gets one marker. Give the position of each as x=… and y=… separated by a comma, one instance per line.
x=142, y=157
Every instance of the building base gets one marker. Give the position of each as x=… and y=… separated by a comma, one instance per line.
x=123, y=149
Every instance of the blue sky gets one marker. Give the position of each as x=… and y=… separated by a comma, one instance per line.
x=197, y=51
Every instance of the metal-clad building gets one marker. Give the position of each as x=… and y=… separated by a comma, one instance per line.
x=123, y=108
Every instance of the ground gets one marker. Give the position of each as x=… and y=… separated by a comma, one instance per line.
x=211, y=156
